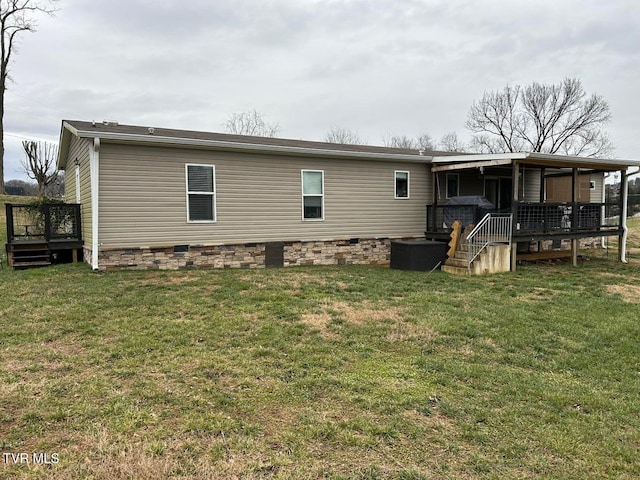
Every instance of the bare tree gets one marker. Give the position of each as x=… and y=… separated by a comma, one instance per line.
x=344, y=136
x=251, y=123
x=399, y=141
x=541, y=118
x=16, y=16
x=421, y=142
x=425, y=141
x=39, y=164
x=450, y=143
x=56, y=188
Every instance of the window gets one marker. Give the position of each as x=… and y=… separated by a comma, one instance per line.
x=402, y=184
x=312, y=195
x=453, y=180
x=201, y=193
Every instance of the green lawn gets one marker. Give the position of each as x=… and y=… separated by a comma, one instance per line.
x=322, y=372
x=351, y=372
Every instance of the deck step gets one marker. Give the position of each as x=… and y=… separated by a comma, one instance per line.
x=32, y=258
x=31, y=264
x=27, y=247
x=457, y=262
x=461, y=254
x=455, y=270
x=22, y=256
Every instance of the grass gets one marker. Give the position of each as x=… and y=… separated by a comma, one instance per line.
x=323, y=372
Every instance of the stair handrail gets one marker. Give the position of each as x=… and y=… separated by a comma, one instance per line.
x=494, y=228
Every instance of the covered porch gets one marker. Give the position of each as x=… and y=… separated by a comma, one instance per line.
x=548, y=198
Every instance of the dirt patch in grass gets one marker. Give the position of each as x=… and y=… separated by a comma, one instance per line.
x=538, y=294
x=611, y=275
x=402, y=331
x=629, y=293
x=359, y=313
x=319, y=322
x=352, y=313
x=169, y=280
x=398, y=329
x=46, y=355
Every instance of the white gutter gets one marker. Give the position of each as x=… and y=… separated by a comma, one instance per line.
x=480, y=157
x=535, y=156
x=94, y=164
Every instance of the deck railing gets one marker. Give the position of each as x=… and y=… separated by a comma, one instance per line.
x=493, y=229
x=43, y=222
x=570, y=217
x=533, y=218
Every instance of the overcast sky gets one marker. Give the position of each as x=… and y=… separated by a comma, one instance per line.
x=378, y=67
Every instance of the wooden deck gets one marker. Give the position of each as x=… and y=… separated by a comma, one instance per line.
x=42, y=234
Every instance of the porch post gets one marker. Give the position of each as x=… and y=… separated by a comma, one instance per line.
x=515, y=173
x=542, y=195
x=574, y=215
x=622, y=238
x=9, y=216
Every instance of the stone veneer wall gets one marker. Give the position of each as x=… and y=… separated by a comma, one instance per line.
x=337, y=252
x=368, y=252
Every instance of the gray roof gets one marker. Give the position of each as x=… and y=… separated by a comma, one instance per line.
x=114, y=130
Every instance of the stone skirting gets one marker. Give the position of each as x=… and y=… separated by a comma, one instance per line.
x=335, y=252
x=345, y=252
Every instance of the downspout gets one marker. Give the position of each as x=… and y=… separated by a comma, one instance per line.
x=94, y=157
x=624, y=186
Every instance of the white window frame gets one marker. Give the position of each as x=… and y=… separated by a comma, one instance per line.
x=457, y=175
x=395, y=184
x=302, y=172
x=212, y=194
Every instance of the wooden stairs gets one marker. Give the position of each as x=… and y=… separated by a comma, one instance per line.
x=457, y=263
x=28, y=255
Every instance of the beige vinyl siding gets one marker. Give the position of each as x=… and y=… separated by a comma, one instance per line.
x=595, y=196
x=469, y=183
x=79, y=149
x=258, y=198
x=531, y=184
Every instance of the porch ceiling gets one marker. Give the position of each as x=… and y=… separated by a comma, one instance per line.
x=463, y=162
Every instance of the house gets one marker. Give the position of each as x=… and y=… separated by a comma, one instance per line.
x=163, y=198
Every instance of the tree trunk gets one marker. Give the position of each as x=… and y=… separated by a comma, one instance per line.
x=2, y=191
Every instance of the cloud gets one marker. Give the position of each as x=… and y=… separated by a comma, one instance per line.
x=380, y=67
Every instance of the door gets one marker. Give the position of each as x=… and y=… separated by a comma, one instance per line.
x=506, y=194
x=499, y=192
x=491, y=189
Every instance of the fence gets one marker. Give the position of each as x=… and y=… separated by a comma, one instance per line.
x=43, y=222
